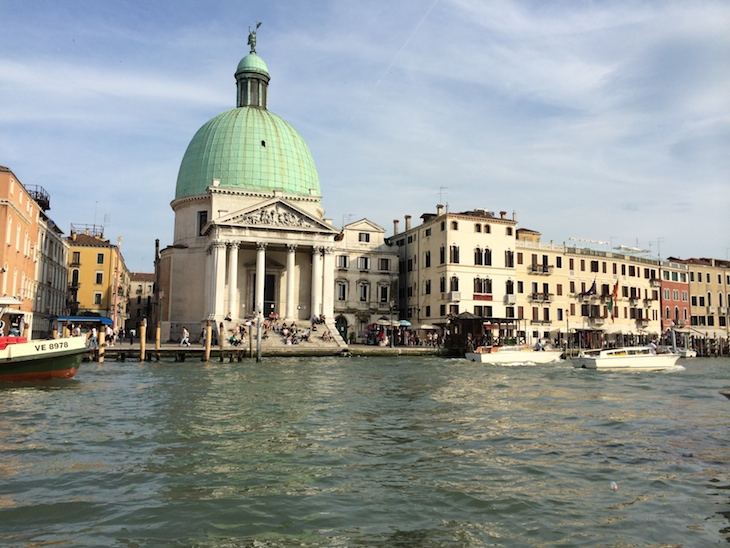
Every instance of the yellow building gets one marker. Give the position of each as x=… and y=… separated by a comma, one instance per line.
x=98, y=279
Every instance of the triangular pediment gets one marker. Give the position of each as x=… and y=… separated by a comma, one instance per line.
x=274, y=214
x=364, y=225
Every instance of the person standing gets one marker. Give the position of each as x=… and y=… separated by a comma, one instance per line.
x=93, y=338
x=185, y=341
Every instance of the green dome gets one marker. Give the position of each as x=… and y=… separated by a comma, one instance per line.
x=252, y=63
x=248, y=148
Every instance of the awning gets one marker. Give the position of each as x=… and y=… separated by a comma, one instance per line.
x=427, y=326
x=85, y=319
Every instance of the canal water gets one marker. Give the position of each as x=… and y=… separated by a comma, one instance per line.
x=366, y=452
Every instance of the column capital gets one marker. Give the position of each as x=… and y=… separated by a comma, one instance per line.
x=233, y=244
x=317, y=249
x=261, y=246
x=328, y=250
x=291, y=247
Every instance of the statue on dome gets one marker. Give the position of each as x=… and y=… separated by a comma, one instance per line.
x=252, y=37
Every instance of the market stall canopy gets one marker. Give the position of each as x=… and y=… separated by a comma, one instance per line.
x=427, y=326
x=404, y=323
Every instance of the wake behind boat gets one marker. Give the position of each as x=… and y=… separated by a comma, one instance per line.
x=513, y=355
x=641, y=358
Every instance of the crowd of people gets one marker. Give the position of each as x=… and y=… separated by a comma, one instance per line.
x=380, y=335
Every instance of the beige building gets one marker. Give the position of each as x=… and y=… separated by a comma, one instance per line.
x=586, y=296
x=709, y=290
x=51, y=298
x=141, y=300
x=456, y=262
x=366, y=279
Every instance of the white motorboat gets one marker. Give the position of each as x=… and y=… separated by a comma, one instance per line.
x=628, y=357
x=513, y=355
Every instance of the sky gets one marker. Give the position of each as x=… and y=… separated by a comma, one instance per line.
x=595, y=123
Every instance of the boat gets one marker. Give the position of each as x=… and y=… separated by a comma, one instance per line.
x=641, y=358
x=725, y=393
x=22, y=360
x=513, y=355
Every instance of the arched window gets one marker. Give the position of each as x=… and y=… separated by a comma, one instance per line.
x=454, y=284
x=510, y=287
x=478, y=257
x=487, y=257
x=442, y=284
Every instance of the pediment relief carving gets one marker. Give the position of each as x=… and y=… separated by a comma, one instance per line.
x=274, y=215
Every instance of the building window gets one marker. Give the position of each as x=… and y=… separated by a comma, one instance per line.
x=202, y=221
x=509, y=231
x=442, y=255
x=363, y=237
x=428, y=232
x=428, y=311
x=384, y=293
x=427, y=287
x=341, y=291
x=487, y=257
x=384, y=264
x=364, y=291
x=97, y=298
x=454, y=284
x=483, y=286
x=477, y=227
x=343, y=262
x=363, y=263
x=99, y=278
x=75, y=258
x=427, y=259
x=99, y=258
x=454, y=225
x=454, y=254
x=509, y=259
x=478, y=257
x=442, y=285
x=558, y=262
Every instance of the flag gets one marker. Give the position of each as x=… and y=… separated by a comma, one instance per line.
x=612, y=301
x=591, y=291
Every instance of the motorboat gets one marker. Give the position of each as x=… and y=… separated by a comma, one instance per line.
x=23, y=360
x=642, y=358
x=40, y=360
x=513, y=355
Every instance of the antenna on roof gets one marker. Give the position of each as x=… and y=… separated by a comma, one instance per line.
x=441, y=194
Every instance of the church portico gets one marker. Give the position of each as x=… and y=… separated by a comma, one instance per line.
x=251, y=276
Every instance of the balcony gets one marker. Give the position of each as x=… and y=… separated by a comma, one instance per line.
x=712, y=310
x=655, y=282
x=598, y=321
x=454, y=296
x=541, y=269
x=540, y=322
x=642, y=322
x=681, y=323
x=510, y=298
x=541, y=297
x=634, y=301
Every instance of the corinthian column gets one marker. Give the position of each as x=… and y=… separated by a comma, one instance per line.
x=290, y=272
x=317, y=280
x=260, y=277
x=233, y=281
x=219, y=277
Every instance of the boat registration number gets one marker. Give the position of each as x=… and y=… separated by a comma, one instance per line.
x=51, y=346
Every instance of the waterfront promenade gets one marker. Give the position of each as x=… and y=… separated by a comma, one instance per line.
x=226, y=353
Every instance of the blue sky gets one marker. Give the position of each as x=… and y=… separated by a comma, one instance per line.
x=605, y=121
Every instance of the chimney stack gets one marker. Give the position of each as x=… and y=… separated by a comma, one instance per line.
x=408, y=222
x=439, y=210
x=502, y=214
x=395, y=227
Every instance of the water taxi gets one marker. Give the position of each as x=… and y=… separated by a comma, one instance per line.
x=513, y=355
x=641, y=358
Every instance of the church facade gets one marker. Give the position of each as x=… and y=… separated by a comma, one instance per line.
x=250, y=237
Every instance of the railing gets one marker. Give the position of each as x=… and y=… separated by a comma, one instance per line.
x=540, y=269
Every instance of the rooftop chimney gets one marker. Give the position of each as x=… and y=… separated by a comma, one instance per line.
x=439, y=209
x=502, y=214
x=395, y=227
